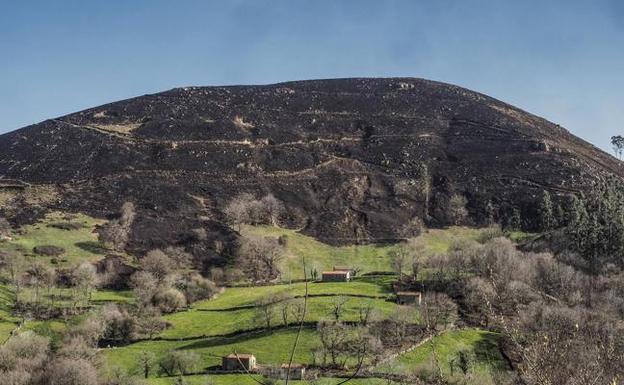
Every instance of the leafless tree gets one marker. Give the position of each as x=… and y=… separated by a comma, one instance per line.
x=168, y=300
x=260, y=257
x=333, y=336
x=266, y=310
x=115, y=233
x=144, y=285
x=273, y=208
x=84, y=280
x=337, y=306
x=65, y=371
x=157, y=263
x=14, y=266
x=5, y=229
x=146, y=360
x=438, y=310
x=456, y=210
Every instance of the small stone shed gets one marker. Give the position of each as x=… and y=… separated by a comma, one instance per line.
x=409, y=297
x=336, y=276
x=297, y=371
x=346, y=268
x=238, y=361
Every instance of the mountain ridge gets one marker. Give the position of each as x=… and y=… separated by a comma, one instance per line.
x=346, y=156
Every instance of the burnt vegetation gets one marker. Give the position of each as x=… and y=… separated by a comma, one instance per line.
x=175, y=178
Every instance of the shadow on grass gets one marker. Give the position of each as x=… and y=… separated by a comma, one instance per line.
x=488, y=351
x=239, y=337
x=92, y=247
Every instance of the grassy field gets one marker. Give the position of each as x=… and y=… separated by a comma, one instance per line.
x=80, y=244
x=368, y=258
x=242, y=379
x=481, y=346
x=203, y=327
x=244, y=296
x=8, y=322
x=197, y=323
x=269, y=348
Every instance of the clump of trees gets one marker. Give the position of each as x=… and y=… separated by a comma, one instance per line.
x=165, y=282
x=551, y=314
x=246, y=209
x=595, y=228
x=29, y=359
x=115, y=233
x=259, y=257
x=451, y=209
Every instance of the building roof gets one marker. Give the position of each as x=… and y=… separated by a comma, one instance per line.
x=240, y=355
x=408, y=293
x=293, y=366
x=340, y=272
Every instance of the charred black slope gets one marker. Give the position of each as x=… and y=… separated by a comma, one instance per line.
x=346, y=156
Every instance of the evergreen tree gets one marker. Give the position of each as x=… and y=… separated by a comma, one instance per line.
x=546, y=217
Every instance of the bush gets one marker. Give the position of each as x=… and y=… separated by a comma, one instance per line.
x=490, y=233
x=169, y=300
x=49, y=250
x=66, y=371
x=66, y=225
x=196, y=287
x=178, y=362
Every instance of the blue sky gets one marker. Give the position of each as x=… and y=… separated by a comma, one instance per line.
x=563, y=60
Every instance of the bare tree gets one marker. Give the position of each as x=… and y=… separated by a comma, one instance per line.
x=398, y=260
x=337, y=306
x=157, y=263
x=168, y=300
x=144, y=285
x=14, y=266
x=456, y=210
x=266, y=309
x=246, y=209
x=146, y=360
x=115, y=233
x=259, y=257
x=365, y=312
x=333, y=336
x=273, y=208
x=237, y=210
x=64, y=371
x=438, y=309
x=5, y=229
x=84, y=279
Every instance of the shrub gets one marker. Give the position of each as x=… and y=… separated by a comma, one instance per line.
x=169, y=300
x=178, y=362
x=49, y=250
x=64, y=371
x=196, y=287
x=66, y=225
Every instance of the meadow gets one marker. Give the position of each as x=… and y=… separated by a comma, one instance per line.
x=229, y=322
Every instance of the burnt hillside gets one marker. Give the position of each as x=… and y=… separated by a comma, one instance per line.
x=346, y=156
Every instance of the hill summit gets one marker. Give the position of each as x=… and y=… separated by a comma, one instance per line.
x=353, y=160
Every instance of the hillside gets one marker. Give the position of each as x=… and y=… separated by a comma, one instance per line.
x=348, y=158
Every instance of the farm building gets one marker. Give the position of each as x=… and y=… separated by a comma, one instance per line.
x=240, y=361
x=346, y=268
x=408, y=297
x=336, y=276
x=297, y=371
